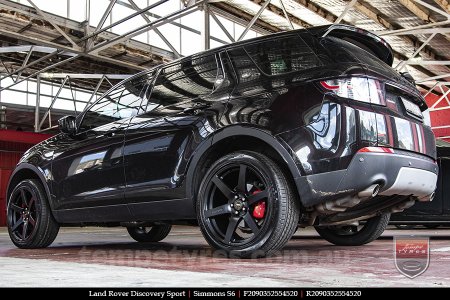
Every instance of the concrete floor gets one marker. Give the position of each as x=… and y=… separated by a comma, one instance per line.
x=97, y=257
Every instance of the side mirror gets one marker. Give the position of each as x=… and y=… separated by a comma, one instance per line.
x=68, y=125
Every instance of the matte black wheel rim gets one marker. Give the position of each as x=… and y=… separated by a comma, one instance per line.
x=231, y=198
x=22, y=213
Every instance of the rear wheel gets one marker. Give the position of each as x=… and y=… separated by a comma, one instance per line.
x=352, y=235
x=246, y=205
x=30, y=221
x=431, y=226
x=148, y=234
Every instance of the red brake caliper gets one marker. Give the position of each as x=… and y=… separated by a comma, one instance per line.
x=260, y=207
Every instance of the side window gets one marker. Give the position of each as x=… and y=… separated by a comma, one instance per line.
x=182, y=82
x=123, y=101
x=283, y=55
x=273, y=57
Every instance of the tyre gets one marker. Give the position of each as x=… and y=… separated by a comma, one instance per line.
x=29, y=217
x=349, y=235
x=246, y=206
x=405, y=226
x=154, y=233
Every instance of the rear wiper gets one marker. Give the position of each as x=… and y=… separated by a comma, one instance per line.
x=408, y=77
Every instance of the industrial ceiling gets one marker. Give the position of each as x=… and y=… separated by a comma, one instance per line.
x=35, y=41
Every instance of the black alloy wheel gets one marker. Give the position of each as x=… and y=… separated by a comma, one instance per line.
x=30, y=221
x=23, y=213
x=246, y=206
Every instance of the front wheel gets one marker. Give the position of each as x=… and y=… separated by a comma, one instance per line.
x=30, y=220
x=405, y=226
x=147, y=234
x=246, y=206
x=352, y=235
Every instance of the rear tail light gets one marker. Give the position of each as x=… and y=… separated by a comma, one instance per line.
x=357, y=88
x=376, y=150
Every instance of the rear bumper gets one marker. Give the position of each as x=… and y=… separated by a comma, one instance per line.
x=412, y=181
x=402, y=173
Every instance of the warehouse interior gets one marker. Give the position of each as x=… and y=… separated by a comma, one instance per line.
x=45, y=52
x=57, y=57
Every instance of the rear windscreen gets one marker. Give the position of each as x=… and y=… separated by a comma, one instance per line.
x=346, y=51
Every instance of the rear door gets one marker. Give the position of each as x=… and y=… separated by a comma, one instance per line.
x=181, y=111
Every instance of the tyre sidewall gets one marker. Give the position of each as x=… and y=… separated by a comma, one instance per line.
x=273, y=202
x=154, y=235
x=373, y=228
x=39, y=203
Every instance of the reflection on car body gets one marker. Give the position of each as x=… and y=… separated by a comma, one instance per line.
x=249, y=141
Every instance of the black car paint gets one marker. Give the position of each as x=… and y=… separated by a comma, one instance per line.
x=144, y=167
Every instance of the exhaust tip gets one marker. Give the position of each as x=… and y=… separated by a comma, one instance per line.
x=376, y=190
x=370, y=192
x=426, y=198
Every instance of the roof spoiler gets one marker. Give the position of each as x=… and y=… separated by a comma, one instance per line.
x=359, y=37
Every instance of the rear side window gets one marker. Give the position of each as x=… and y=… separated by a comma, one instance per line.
x=280, y=56
x=184, y=81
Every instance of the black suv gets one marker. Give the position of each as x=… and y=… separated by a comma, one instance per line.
x=303, y=128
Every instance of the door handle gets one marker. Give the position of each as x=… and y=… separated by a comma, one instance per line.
x=112, y=132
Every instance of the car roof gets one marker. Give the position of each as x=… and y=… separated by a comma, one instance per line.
x=315, y=31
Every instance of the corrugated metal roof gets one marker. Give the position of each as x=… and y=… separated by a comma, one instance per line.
x=302, y=13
